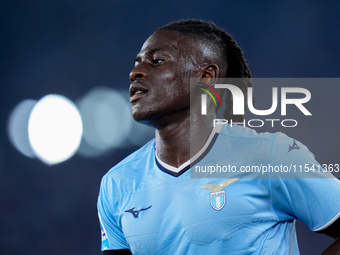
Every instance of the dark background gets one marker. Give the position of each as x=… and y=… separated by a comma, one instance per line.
x=69, y=47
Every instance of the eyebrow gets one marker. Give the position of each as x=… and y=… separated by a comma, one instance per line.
x=149, y=52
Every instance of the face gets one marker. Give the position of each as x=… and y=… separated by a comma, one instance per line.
x=160, y=81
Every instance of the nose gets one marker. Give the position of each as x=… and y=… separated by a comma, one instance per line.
x=137, y=73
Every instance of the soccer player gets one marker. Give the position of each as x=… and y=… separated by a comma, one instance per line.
x=148, y=204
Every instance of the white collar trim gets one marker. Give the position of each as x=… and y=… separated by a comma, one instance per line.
x=217, y=129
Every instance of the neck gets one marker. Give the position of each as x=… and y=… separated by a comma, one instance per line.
x=180, y=139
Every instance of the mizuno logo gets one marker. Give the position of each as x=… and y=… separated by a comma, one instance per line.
x=136, y=213
x=293, y=147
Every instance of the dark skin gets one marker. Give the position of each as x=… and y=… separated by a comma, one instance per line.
x=162, y=72
x=160, y=97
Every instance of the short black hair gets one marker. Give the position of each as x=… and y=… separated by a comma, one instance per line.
x=228, y=50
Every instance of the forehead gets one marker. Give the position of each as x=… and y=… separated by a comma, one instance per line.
x=163, y=40
x=179, y=46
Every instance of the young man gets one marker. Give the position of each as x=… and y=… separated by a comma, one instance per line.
x=148, y=204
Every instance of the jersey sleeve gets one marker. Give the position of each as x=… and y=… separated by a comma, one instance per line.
x=112, y=237
x=310, y=195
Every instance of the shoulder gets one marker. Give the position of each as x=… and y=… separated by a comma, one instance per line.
x=273, y=148
x=277, y=140
x=132, y=164
x=290, y=150
x=241, y=132
x=248, y=140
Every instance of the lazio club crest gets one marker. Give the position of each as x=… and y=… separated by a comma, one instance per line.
x=217, y=200
x=217, y=196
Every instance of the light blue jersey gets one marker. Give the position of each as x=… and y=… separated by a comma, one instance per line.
x=151, y=208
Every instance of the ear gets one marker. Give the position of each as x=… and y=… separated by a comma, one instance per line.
x=210, y=73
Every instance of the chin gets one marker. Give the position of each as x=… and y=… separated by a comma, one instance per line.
x=146, y=122
x=142, y=117
x=148, y=118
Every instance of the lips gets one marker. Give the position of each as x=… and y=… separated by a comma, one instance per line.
x=137, y=91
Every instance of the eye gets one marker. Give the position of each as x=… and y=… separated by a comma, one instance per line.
x=157, y=61
x=137, y=61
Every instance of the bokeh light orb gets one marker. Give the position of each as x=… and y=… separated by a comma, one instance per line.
x=17, y=127
x=55, y=129
x=106, y=119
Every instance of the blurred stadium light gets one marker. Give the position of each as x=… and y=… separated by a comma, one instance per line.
x=106, y=120
x=18, y=127
x=54, y=129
